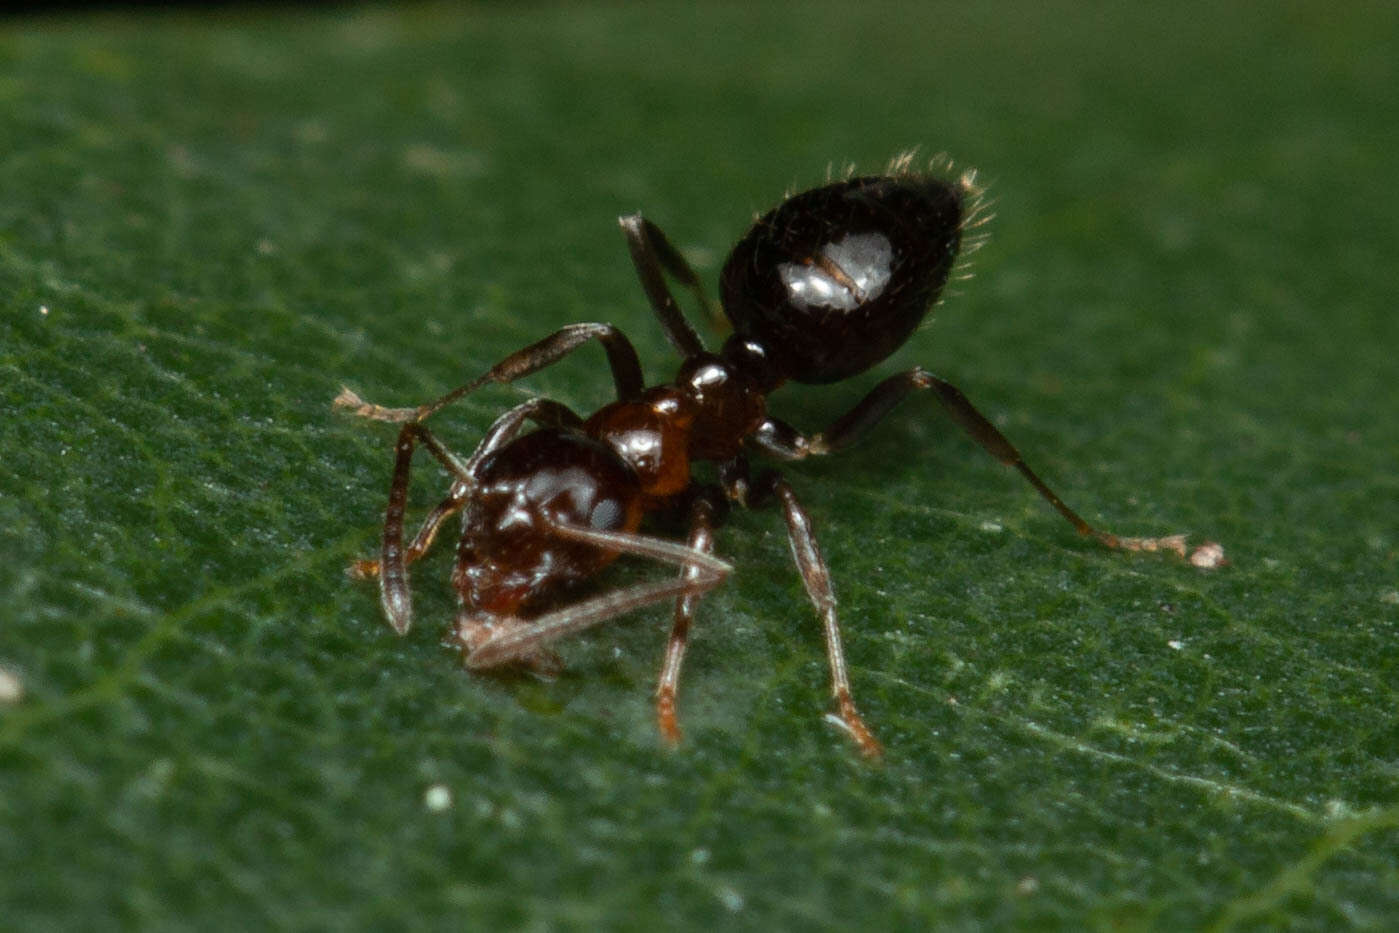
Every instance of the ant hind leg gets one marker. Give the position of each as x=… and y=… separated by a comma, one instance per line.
x=780, y=440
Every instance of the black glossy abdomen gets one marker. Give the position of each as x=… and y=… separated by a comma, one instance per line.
x=834, y=280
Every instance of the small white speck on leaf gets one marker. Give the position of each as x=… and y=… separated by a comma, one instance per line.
x=44, y=310
x=437, y=798
x=1391, y=597
x=1175, y=643
x=992, y=527
x=1208, y=556
x=1337, y=809
x=11, y=686
x=731, y=899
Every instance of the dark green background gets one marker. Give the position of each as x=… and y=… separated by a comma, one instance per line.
x=1185, y=317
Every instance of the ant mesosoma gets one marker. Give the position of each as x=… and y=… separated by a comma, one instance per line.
x=821, y=288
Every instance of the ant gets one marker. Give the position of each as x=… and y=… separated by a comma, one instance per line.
x=821, y=288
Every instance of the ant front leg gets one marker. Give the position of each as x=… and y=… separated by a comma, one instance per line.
x=816, y=578
x=394, y=593
x=621, y=356
x=392, y=566
x=780, y=440
x=367, y=569
x=654, y=255
x=543, y=412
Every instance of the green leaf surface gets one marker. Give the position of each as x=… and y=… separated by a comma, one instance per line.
x=1184, y=317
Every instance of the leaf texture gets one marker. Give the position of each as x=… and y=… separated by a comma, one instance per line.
x=1184, y=317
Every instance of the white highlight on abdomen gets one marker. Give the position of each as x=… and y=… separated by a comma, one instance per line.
x=867, y=259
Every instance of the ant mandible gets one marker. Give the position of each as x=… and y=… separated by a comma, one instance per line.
x=821, y=288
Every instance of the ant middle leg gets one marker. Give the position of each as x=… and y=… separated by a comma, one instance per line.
x=654, y=255
x=702, y=518
x=782, y=441
x=621, y=357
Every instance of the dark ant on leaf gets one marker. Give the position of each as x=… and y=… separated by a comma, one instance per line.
x=820, y=289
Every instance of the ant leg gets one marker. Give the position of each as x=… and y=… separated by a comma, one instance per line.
x=394, y=593
x=817, y=580
x=422, y=541
x=782, y=441
x=652, y=254
x=542, y=411
x=492, y=641
x=702, y=540
x=621, y=356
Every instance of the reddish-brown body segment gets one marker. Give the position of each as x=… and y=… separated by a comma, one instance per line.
x=509, y=559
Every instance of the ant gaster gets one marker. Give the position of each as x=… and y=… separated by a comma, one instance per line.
x=821, y=288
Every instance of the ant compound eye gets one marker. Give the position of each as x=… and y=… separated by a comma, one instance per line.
x=834, y=280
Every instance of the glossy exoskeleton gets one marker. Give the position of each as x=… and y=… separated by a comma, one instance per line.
x=821, y=288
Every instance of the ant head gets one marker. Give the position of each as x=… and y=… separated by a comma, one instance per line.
x=833, y=280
